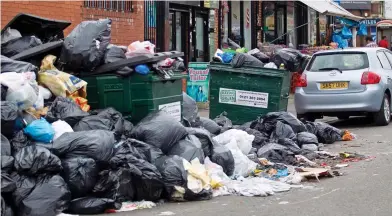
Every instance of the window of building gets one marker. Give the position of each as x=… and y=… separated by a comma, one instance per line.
x=312, y=26
x=323, y=29
x=269, y=21
x=124, y=6
x=291, y=30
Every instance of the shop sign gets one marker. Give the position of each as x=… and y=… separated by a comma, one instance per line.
x=198, y=81
x=213, y=4
x=243, y=98
x=370, y=22
x=356, y=5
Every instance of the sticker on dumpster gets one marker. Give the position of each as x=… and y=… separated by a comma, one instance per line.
x=243, y=98
x=173, y=109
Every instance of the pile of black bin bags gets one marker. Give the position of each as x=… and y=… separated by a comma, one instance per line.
x=107, y=160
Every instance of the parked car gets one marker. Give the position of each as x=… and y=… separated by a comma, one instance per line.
x=346, y=82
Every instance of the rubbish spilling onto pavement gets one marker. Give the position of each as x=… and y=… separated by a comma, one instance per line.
x=59, y=156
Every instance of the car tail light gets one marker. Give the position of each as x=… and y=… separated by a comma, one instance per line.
x=370, y=78
x=302, y=81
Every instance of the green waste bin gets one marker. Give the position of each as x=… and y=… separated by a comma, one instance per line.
x=247, y=92
x=137, y=95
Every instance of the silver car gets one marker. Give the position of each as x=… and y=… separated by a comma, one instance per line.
x=346, y=82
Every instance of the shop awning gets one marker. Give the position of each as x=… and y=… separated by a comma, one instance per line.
x=328, y=7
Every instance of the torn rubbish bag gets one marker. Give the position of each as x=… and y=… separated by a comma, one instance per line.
x=10, y=65
x=91, y=205
x=65, y=109
x=160, y=130
x=80, y=175
x=45, y=195
x=84, y=48
x=223, y=121
x=173, y=173
x=96, y=144
x=35, y=160
x=188, y=148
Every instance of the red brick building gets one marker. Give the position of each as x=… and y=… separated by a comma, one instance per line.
x=127, y=16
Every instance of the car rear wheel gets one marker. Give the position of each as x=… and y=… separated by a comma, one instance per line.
x=305, y=117
x=383, y=117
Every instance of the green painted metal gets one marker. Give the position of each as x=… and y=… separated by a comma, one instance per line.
x=227, y=84
x=134, y=96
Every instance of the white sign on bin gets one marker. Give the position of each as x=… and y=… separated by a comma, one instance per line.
x=243, y=98
x=173, y=109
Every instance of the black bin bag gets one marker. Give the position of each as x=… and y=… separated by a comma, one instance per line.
x=45, y=195
x=6, y=209
x=114, y=53
x=207, y=143
x=65, y=109
x=91, y=205
x=17, y=45
x=291, y=59
x=160, y=130
x=10, y=65
x=149, y=153
x=243, y=59
x=107, y=185
x=34, y=160
x=190, y=111
x=84, y=48
x=19, y=141
x=80, y=175
x=7, y=163
x=126, y=190
x=189, y=149
x=210, y=125
x=9, y=114
x=173, y=173
x=269, y=122
x=5, y=146
x=282, y=131
x=8, y=185
x=96, y=144
x=325, y=133
x=222, y=156
x=305, y=138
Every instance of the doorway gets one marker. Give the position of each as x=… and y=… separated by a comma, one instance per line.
x=200, y=40
x=179, y=26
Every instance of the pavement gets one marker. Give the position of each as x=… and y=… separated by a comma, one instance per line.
x=364, y=189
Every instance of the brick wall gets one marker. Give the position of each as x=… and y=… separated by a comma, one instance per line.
x=126, y=28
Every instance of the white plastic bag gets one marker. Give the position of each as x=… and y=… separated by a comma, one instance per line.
x=198, y=178
x=218, y=177
x=137, y=48
x=22, y=88
x=46, y=93
x=243, y=165
x=270, y=65
x=60, y=127
x=242, y=138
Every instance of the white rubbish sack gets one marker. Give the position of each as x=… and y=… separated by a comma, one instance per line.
x=243, y=166
x=243, y=139
x=256, y=186
x=60, y=127
x=22, y=88
x=215, y=171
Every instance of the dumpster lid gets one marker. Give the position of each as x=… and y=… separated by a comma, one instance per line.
x=34, y=51
x=45, y=29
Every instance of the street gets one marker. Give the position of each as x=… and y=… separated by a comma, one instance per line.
x=364, y=189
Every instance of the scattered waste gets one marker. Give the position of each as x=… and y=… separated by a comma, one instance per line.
x=130, y=206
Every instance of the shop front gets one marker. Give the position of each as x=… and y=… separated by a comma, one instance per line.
x=189, y=29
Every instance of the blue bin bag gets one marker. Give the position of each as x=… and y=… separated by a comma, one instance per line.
x=142, y=69
x=226, y=57
x=40, y=130
x=346, y=33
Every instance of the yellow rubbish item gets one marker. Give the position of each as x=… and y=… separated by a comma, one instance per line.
x=58, y=82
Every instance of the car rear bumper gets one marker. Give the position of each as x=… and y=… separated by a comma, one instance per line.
x=367, y=101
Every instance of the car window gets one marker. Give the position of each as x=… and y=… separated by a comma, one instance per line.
x=343, y=61
x=384, y=61
x=389, y=56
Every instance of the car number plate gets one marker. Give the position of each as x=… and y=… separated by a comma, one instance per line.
x=334, y=85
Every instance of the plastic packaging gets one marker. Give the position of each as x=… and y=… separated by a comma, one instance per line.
x=217, y=176
x=60, y=127
x=243, y=165
x=40, y=130
x=242, y=138
x=137, y=48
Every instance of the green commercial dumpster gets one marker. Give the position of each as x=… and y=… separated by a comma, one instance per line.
x=137, y=95
x=247, y=92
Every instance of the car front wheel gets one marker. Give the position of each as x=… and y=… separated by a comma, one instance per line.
x=383, y=117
